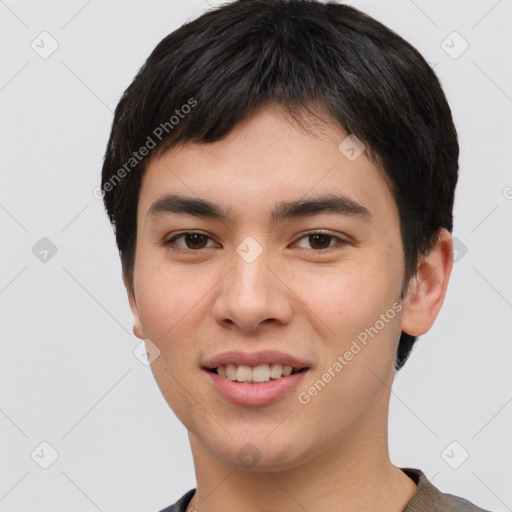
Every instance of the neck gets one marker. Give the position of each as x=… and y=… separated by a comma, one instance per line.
x=353, y=475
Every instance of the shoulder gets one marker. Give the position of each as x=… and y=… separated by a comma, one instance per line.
x=460, y=504
x=182, y=504
x=429, y=498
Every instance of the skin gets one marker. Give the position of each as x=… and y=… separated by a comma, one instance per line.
x=329, y=454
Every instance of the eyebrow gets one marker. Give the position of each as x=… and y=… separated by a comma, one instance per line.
x=333, y=204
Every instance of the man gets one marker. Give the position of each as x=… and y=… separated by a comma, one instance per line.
x=281, y=177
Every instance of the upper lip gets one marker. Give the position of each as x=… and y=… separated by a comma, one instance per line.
x=255, y=359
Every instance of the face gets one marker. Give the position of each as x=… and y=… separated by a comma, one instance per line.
x=284, y=276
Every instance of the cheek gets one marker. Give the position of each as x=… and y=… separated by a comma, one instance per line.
x=168, y=300
x=175, y=309
x=351, y=296
x=351, y=305
x=169, y=303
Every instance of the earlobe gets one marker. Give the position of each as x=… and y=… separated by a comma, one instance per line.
x=427, y=289
x=137, y=329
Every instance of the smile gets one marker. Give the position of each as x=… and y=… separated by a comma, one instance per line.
x=257, y=374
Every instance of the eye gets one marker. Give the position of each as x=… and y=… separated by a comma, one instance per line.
x=320, y=241
x=193, y=240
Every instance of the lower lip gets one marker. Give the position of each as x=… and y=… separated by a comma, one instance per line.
x=241, y=393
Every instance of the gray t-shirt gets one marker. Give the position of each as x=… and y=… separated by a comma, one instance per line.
x=427, y=498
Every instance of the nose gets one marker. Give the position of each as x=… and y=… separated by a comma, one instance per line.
x=253, y=293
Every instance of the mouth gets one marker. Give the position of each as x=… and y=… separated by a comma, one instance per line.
x=257, y=378
x=244, y=385
x=259, y=374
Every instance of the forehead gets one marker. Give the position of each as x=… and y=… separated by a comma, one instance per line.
x=268, y=159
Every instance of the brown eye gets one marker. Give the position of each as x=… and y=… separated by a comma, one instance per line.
x=193, y=241
x=320, y=241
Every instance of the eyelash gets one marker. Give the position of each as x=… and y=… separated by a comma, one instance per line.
x=171, y=241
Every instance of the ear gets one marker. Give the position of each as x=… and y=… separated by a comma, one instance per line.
x=427, y=288
x=137, y=329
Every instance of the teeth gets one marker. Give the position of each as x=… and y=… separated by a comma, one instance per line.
x=243, y=373
x=260, y=373
x=231, y=372
x=276, y=370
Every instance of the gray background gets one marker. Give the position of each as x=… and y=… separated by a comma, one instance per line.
x=68, y=373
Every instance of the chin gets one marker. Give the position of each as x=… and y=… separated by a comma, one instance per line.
x=261, y=454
